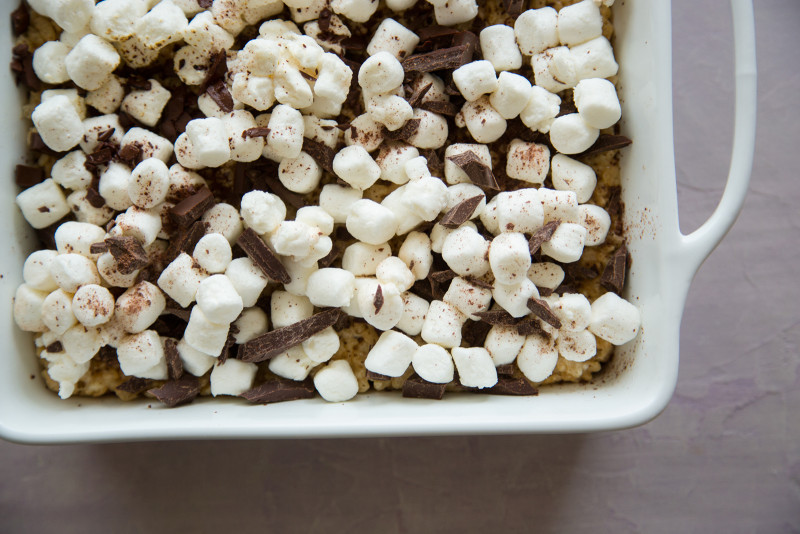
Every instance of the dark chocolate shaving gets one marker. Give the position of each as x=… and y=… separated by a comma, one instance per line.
x=429, y=33
x=530, y=325
x=417, y=388
x=514, y=7
x=441, y=107
x=474, y=333
x=542, y=310
x=186, y=239
x=26, y=176
x=461, y=212
x=216, y=71
x=372, y=375
x=542, y=235
x=20, y=20
x=259, y=131
x=205, y=4
x=98, y=248
x=175, y=392
x=544, y=291
x=613, y=277
x=128, y=252
x=135, y=385
x=475, y=281
x=419, y=93
x=100, y=157
x=188, y=210
x=130, y=154
x=272, y=343
x=94, y=198
x=512, y=386
x=378, y=300
x=405, y=132
x=444, y=58
x=321, y=153
x=329, y=258
x=324, y=20
x=497, y=318
x=221, y=96
x=279, y=391
x=55, y=346
x=605, y=143
x=442, y=276
x=478, y=172
x=505, y=369
x=262, y=255
x=174, y=364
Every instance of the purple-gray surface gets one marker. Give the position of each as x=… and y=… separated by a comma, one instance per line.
x=723, y=457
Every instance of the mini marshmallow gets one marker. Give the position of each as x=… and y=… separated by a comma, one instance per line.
x=337, y=200
x=292, y=364
x=433, y=363
x=72, y=15
x=573, y=310
x=546, y=275
x=466, y=252
x=570, y=134
x=224, y=219
x=452, y=172
x=286, y=131
x=151, y=145
x=354, y=165
x=514, y=298
x=65, y=371
x=597, y=222
x=371, y=222
x=262, y=211
x=149, y=183
x=291, y=88
x=257, y=92
x=331, y=287
x=228, y=14
x=91, y=62
x=209, y=141
x=162, y=25
x=475, y=367
x=572, y=175
x=400, y=5
x=49, y=62
x=614, y=319
x=394, y=271
x=109, y=270
x=36, y=270
x=57, y=312
x=528, y=162
x=213, y=253
x=594, y=59
x=597, y=102
x=442, y=325
x=82, y=343
x=139, y=307
x=205, y=336
x=555, y=69
x=484, y=123
x=519, y=211
x=322, y=346
x=75, y=98
x=390, y=110
x=394, y=38
x=58, y=123
x=248, y=280
x=536, y=30
x=355, y=10
x=389, y=314
x=296, y=239
x=251, y=323
x=559, y=205
x=468, y=298
x=579, y=23
x=28, y=308
x=362, y=259
x=273, y=29
x=108, y=97
x=233, y=377
x=142, y=355
x=183, y=183
x=301, y=174
x=538, y=358
x=146, y=105
x=114, y=182
x=365, y=132
x=329, y=40
x=287, y=309
x=416, y=253
x=114, y=20
x=476, y=79
x=406, y=219
x=93, y=305
x=454, y=11
x=71, y=172
x=392, y=159
x=85, y=212
x=181, y=278
x=432, y=131
x=202, y=32
x=425, y=197
x=322, y=130
x=333, y=79
x=94, y=126
x=499, y=47
x=316, y=217
x=258, y=10
x=509, y=258
x=71, y=271
x=414, y=310
x=366, y=284
x=244, y=149
x=503, y=344
x=417, y=169
x=511, y=96
x=541, y=109
x=77, y=237
x=194, y=362
x=136, y=55
x=435, y=93
x=576, y=346
x=336, y=382
x=567, y=242
x=391, y=354
x=380, y=73
x=191, y=65
x=144, y=225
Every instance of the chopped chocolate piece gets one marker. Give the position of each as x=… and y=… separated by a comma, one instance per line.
x=37, y=144
x=216, y=71
x=442, y=276
x=477, y=171
x=542, y=235
x=405, y=132
x=175, y=105
x=187, y=239
x=461, y=212
x=434, y=161
x=505, y=369
x=176, y=392
x=497, y=318
x=130, y=154
x=258, y=131
x=192, y=208
x=328, y=260
x=105, y=135
x=469, y=39
x=205, y=4
x=423, y=289
x=23, y=64
x=578, y=271
x=99, y=157
x=542, y=310
x=225, y=353
x=280, y=390
x=441, y=107
x=428, y=33
x=94, y=198
x=417, y=388
x=174, y=364
x=26, y=176
x=567, y=107
x=478, y=282
x=378, y=300
x=324, y=20
x=20, y=19
x=128, y=252
x=272, y=343
x=219, y=93
x=613, y=277
x=444, y=58
x=530, y=325
x=47, y=235
x=371, y=375
x=321, y=153
x=55, y=346
x=138, y=82
x=135, y=385
x=262, y=255
x=512, y=386
x=416, y=97
x=475, y=332
x=544, y=291
x=514, y=7
x=605, y=143
x=98, y=248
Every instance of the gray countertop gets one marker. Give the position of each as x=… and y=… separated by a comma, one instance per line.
x=723, y=457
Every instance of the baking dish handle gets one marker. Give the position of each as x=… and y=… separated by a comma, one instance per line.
x=700, y=243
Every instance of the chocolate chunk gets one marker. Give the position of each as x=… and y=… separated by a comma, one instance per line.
x=478, y=172
x=262, y=255
x=417, y=388
x=135, y=385
x=505, y=369
x=542, y=310
x=205, y=4
x=544, y=291
x=47, y=235
x=186, y=240
x=613, y=277
x=444, y=58
x=138, y=82
x=461, y=212
x=225, y=353
x=434, y=161
x=128, y=252
x=441, y=107
x=100, y=156
x=355, y=42
x=324, y=20
x=405, y=132
x=530, y=325
x=468, y=39
x=55, y=346
x=423, y=289
x=497, y=318
x=20, y=20
x=429, y=33
x=105, y=135
x=416, y=97
x=188, y=210
x=258, y=131
x=94, y=198
x=279, y=391
x=442, y=276
x=174, y=364
x=605, y=143
x=176, y=392
x=329, y=258
x=321, y=153
x=26, y=176
x=22, y=64
x=512, y=386
x=216, y=71
x=371, y=375
x=542, y=235
x=219, y=93
x=478, y=282
x=130, y=154
x=36, y=143
x=474, y=333
x=98, y=248
x=378, y=300
x=514, y=7
x=272, y=343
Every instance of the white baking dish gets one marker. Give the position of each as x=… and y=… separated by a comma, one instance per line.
x=634, y=388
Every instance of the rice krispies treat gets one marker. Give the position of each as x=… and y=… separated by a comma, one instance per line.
x=103, y=374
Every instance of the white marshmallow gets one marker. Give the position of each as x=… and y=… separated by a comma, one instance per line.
x=416, y=253
x=316, y=217
x=322, y=130
x=203, y=32
x=570, y=134
x=108, y=97
x=333, y=79
x=295, y=239
x=433, y=363
x=555, y=69
x=149, y=183
x=546, y=275
x=28, y=308
x=162, y=25
x=499, y=47
x=194, y=362
x=209, y=141
x=228, y=14
x=57, y=312
x=36, y=270
x=579, y=23
x=514, y=299
x=576, y=346
x=354, y=165
x=389, y=314
x=114, y=20
x=400, y=5
x=573, y=310
x=454, y=11
x=394, y=38
x=365, y=132
x=93, y=305
x=468, y=298
x=71, y=271
x=380, y=73
x=614, y=319
x=511, y=96
x=394, y=271
x=371, y=222
x=432, y=131
x=322, y=346
x=213, y=253
x=257, y=92
x=594, y=59
x=287, y=309
x=205, y=336
x=72, y=15
x=567, y=242
x=224, y=219
x=77, y=237
x=597, y=102
x=417, y=169
x=71, y=172
x=48, y=62
x=291, y=87
x=85, y=212
x=475, y=367
x=146, y=105
x=538, y=358
x=139, y=307
x=292, y=364
x=190, y=64
x=257, y=10
x=391, y=354
x=536, y=30
x=362, y=259
x=559, y=205
x=75, y=98
x=182, y=182
x=425, y=197
x=114, y=182
x=452, y=172
x=475, y=79
x=392, y=159
x=541, y=110
x=94, y=126
x=355, y=10
x=301, y=174
x=336, y=382
x=144, y=225
x=390, y=110
x=331, y=287
x=251, y=323
x=414, y=311
x=65, y=371
x=244, y=149
x=233, y=377
x=109, y=270
x=442, y=324
x=136, y=55
x=142, y=355
x=329, y=40
x=519, y=211
x=435, y=93
x=151, y=145
x=597, y=222
x=503, y=344
x=58, y=123
x=572, y=175
x=466, y=252
x=509, y=258
x=286, y=131
x=484, y=123
x=248, y=280
x=91, y=62
x=337, y=200
x=262, y=211
x=181, y=278
x=406, y=219
x=528, y=162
